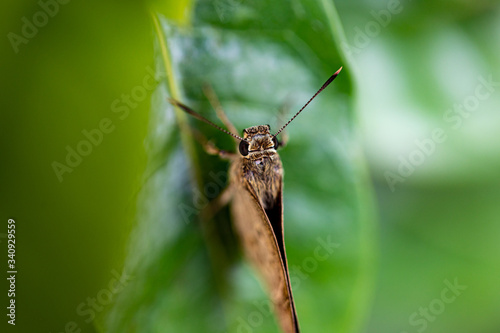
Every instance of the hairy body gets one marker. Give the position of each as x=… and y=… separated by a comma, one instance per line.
x=261, y=168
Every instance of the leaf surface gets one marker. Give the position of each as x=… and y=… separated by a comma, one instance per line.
x=257, y=56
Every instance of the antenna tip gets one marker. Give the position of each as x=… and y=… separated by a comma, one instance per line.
x=331, y=79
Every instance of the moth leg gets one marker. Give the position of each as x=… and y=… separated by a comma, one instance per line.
x=210, y=148
x=282, y=113
x=217, y=204
x=214, y=101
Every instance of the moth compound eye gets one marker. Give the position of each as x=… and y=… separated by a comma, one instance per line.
x=243, y=148
x=276, y=142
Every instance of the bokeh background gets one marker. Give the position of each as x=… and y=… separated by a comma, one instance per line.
x=396, y=163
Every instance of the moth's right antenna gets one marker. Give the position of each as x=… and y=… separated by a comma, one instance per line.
x=309, y=101
x=200, y=117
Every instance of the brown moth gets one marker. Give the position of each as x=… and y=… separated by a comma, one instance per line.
x=256, y=191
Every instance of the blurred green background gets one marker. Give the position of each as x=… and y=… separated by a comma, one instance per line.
x=395, y=164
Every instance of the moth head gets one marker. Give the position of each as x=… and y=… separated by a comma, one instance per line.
x=258, y=139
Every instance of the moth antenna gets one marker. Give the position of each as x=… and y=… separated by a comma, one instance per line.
x=309, y=101
x=200, y=117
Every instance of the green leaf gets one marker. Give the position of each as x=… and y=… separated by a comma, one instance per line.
x=191, y=277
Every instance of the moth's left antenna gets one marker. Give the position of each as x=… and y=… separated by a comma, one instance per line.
x=200, y=117
x=309, y=101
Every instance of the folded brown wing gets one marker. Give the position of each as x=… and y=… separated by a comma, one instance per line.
x=261, y=233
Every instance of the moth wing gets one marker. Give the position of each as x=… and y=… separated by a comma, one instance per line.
x=261, y=234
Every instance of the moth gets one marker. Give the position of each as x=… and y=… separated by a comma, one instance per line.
x=256, y=191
